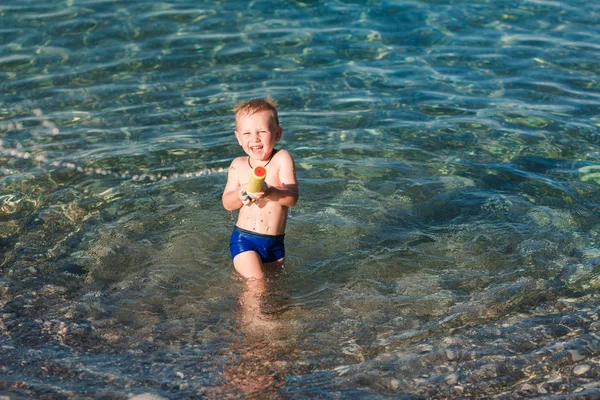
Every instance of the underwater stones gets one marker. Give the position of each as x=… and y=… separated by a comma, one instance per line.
x=451, y=355
x=581, y=369
x=582, y=275
x=147, y=396
x=8, y=229
x=527, y=121
x=528, y=389
x=555, y=384
x=486, y=371
x=452, y=379
x=456, y=182
x=74, y=269
x=590, y=252
x=425, y=348
x=577, y=356
x=595, y=326
x=51, y=289
x=394, y=384
x=35, y=222
x=590, y=173
x=355, y=350
x=551, y=218
x=72, y=241
x=557, y=331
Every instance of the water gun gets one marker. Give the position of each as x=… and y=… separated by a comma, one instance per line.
x=257, y=177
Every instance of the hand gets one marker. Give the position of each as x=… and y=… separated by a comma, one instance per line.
x=246, y=198
x=249, y=198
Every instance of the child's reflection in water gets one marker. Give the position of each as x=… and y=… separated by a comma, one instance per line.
x=259, y=363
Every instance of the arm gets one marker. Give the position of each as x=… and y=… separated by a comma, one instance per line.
x=231, y=194
x=286, y=195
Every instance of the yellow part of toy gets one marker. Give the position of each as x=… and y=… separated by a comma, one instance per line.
x=257, y=177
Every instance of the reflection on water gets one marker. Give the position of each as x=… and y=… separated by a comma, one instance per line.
x=445, y=244
x=256, y=365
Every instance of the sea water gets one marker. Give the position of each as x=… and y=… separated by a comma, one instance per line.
x=446, y=240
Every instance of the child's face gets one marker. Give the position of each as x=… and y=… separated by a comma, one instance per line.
x=257, y=134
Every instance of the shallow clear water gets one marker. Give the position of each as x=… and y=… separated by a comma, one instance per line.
x=445, y=244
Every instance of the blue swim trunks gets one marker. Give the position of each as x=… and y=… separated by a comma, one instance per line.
x=269, y=247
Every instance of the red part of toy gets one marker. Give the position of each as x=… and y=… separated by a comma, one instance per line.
x=260, y=171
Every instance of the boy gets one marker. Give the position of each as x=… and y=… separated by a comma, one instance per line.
x=257, y=239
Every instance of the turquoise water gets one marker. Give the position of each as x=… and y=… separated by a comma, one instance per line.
x=446, y=241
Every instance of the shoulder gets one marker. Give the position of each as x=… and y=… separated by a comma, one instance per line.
x=283, y=156
x=238, y=162
x=284, y=162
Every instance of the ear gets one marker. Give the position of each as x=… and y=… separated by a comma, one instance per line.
x=237, y=136
x=278, y=134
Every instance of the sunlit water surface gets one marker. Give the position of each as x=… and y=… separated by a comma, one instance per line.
x=445, y=244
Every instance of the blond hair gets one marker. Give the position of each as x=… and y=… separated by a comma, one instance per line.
x=256, y=105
